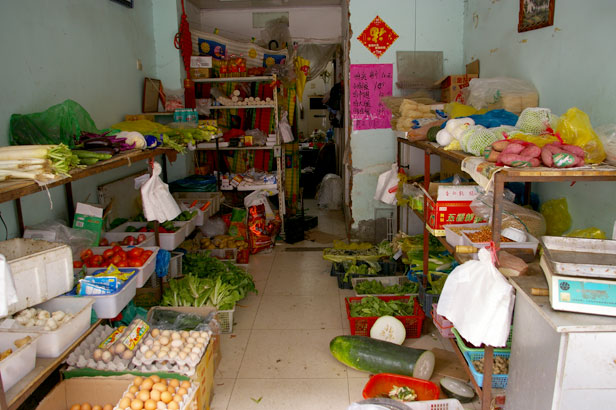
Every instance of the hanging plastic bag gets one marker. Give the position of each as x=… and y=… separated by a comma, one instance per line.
x=158, y=204
x=387, y=186
x=557, y=217
x=285, y=129
x=330, y=192
x=591, y=233
x=607, y=135
x=479, y=301
x=574, y=128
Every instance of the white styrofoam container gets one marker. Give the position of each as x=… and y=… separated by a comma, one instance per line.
x=168, y=241
x=143, y=273
x=109, y=306
x=41, y=270
x=52, y=343
x=455, y=239
x=531, y=243
x=119, y=237
x=21, y=361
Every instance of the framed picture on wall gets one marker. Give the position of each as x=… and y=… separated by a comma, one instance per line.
x=535, y=14
x=127, y=3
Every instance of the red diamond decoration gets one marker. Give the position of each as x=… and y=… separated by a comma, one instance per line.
x=377, y=37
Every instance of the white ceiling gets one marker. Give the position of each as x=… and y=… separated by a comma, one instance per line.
x=261, y=4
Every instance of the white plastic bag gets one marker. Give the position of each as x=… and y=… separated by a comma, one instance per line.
x=607, y=135
x=513, y=93
x=259, y=197
x=285, y=129
x=387, y=185
x=158, y=204
x=478, y=300
x=330, y=192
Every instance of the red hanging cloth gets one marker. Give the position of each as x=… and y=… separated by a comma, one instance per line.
x=183, y=43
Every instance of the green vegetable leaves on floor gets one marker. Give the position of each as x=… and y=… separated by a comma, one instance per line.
x=372, y=306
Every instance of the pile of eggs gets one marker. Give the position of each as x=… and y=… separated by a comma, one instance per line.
x=173, y=347
x=88, y=406
x=34, y=317
x=154, y=393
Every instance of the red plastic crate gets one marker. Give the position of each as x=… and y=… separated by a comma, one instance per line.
x=361, y=326
x=381, y=384
x=443, y=325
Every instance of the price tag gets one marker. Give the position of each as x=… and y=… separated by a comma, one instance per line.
x=398, y=254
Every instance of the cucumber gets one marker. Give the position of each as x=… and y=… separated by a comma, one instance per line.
x=377, y=356
x=457, y=389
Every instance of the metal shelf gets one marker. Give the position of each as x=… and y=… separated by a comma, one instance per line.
x=235, y=79
x=237, y=107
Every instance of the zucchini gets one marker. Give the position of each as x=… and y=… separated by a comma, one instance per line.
x=377, y=356
x=457, y=389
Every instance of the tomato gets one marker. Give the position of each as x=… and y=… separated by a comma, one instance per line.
x=122, y=254
x=129, y=241
x=135, y=252
x=147, y=253
x=85, y=254
x=134, y=262
x=141, y=238
x=108, y=254
x=103, y=242
x=144, y=229
x=121, y=264
x=96, y=260
x=143, y=258
x=117, y=249
x=77, y=264
x=105, y=263
x=116, y=259
x=114, y=244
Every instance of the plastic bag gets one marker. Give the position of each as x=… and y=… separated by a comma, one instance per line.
x=514, y=216
x=330, y=192
x=58, y=124
x=592, y=233
x=607, y=135
x=285, y=129
x=574, y=128
x=58, y=231
x=557, y=218
x=259, y=197
x=213, y=227
x=479, y=301
x=258, y=137
x=238, y=223
x=158, y=204
x=174, y=99
x=387, y=186
x=511, y=94
x=259, y=234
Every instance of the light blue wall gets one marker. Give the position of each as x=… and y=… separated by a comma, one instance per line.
x=439, y=28
x=570, y=64
x=83, y=50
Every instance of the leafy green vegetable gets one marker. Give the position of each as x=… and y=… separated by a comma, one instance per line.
x=372, y=306
x=374, y=287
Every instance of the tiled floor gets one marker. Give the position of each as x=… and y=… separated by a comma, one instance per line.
x=278, y=357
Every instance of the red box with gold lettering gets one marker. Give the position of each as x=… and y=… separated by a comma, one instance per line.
x=449, y=204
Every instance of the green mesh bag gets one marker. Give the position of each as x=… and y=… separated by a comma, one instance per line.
x=476, y=138
x=536, y=120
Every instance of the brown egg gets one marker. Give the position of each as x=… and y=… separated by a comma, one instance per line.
x=108, y=407
x=181, y=391
x=143, y=395
x=185, y=384
x=137, y=381
x=174, y=382
x=133, y=389
x=150, y=405
x=160, y=387
x=166, y=397
x=76, y=407
x=155, y=378
x=130, y=396
x=124, y=403
x=136, y=404
x=177, y=398
x=97, y=407
x=147, y=384
x=86, y=406
x=171, y=389
x=173, y=406
x=155, y=395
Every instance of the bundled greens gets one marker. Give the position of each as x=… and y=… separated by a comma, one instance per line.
x=374, y=287
x=372, y=306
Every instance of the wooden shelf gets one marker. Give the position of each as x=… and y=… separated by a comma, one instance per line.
x=43, y=367
x=236, y=148
x=15, y=189
x=235, y=79
x=239, y=107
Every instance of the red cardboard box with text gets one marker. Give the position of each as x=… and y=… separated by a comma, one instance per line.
x=449, y=204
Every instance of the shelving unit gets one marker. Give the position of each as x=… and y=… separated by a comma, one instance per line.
x=527, y=175
x=14, y=190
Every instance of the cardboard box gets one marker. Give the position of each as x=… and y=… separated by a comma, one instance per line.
x=198, y=73
x=452, y=86
x=147, y=297
x=93, y=390
x=201, y=62
x=449, y=204
x=89, y=217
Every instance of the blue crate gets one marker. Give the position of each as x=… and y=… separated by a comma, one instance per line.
x=499, y=381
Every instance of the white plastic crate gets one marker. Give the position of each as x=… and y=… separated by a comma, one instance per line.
x=52, y=343
x=215, y=199
x=19, y=363
x=225, y=320
x=109, y=306
x=455, y=238
x=531, y=243
x=41, y=270
x=143, y=273
x=119, y=237
x=168, y=241
x=445, y=404
x=175, y=265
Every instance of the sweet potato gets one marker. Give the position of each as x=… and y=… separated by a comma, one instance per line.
x=575, y=150
x=531, y=151
x=535, y=162
x=514, y=160
x=513, y=149
x=500, y=145
x=490, y=154
x=546, y=157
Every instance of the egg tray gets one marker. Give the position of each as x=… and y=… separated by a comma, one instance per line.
x=82, y=356
x=140, y=360
x=184, y=405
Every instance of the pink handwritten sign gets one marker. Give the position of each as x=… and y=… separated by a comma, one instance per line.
x=367, y=83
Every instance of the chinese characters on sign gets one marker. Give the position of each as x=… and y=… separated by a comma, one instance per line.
x=369, y=82
x=377, y=37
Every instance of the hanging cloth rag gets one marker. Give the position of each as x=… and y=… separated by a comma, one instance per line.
x=158, y=204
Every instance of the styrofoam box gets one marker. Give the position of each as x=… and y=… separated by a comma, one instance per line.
x=41, y=270
x=455, y=239
x=52, y=343
x=19, y=363
x=531, y=243
x=109, y=306
x=168, y=241
x=119, y=237
x=143, y=273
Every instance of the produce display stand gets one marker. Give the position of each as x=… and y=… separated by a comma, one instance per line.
x=43, y=367
x=526, y=175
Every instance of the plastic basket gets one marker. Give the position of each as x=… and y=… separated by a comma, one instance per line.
x=499, y=381
x=225, y=319
x=443, y=325
x=447, y=404
x=385, y=280
x=361, y=326
x=466, y=347
x=387, y=269
x=381, y=384
x=427, y=299
x=175, y=265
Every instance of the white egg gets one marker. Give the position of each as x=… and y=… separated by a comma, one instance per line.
x=182, y=355
x=144, y=348
x=201, y=340
x=149, y=354
x=176, y=343
x=200, y=346
x=164, y=340
x=173, y=354
x=204, y=334
x=184, y=334
x=186, y=349
x=161, y=354
x=190, y=340
x=166, y=333
x=155, y=332
x=190, y=345
x=149, y=342
x=175, y=336
x=43, y=314
x=194, y=357
x=155, y=348
x=196, y=350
